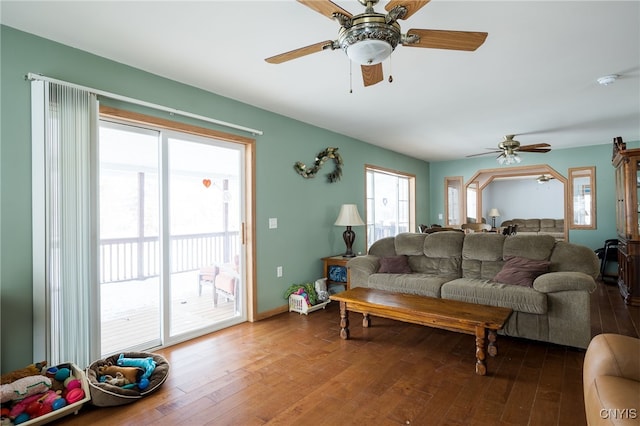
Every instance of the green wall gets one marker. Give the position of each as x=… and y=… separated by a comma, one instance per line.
x=560, y=160
x=306, y=209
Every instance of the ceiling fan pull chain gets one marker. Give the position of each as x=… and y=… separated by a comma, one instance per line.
x=390, y=70
x=350, y=77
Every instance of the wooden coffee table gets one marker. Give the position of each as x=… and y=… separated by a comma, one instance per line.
x=451, y=315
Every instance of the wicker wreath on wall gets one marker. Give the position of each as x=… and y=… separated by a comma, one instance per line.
x=321, y=158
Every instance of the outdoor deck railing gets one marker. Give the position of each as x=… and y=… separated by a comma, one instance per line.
x=137, y=258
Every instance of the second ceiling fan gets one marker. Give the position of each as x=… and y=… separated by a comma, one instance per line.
x=370, y=37
x=510, y=147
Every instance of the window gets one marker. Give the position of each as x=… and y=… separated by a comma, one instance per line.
x=453, y=200
x=582, y=202
x=390, y=203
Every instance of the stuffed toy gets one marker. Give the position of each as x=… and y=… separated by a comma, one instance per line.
x=131, y=374
x=301, y=292
x=23, y=388
x=118, y=380
x=321, y=289
x=30, y=370
x=147, y=364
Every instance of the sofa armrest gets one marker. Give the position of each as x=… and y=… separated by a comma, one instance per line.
x=360, y=268
x=612, y=355
x=564, y=281
x=611, y=380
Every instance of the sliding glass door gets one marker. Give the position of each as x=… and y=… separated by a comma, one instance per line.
x=171, y=255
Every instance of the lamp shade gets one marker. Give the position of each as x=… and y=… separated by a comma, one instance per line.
x=494, y=212
x=349, y=216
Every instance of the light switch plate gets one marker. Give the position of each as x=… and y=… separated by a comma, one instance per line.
x=273, y=222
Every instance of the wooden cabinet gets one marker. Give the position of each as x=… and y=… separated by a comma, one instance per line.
x=336, y=271
x=627, y=164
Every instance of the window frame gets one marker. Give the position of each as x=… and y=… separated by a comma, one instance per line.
x=574, y=174
x=410, y=202
x=454, y=182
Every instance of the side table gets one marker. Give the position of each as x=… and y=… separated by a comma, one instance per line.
x=336, y=271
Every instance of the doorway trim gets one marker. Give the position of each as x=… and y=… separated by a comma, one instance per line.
x=482, y=178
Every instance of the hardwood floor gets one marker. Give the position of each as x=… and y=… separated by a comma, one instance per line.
x=295, y=369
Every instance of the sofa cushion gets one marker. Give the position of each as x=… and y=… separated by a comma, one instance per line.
x=485, y=292
x=521, y=271
x=483, y=246
x=442, y=266
x=528, y=225
x=551, y=225
x=536, y=247
x=482, y=255
x=444, y=244
x=410, y=244
x=383, y=247
x=441, y=254
x=394, y=265
x=416, y=283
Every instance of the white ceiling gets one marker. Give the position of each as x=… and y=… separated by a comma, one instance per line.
x=535, y=76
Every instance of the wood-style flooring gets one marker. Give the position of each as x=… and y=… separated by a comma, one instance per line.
x=294, y=369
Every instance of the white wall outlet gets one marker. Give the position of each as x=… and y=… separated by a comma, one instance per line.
x=279, y=271
x=440, y=216
x=273, y=222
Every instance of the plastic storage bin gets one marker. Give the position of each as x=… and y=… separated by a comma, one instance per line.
x=298, y=304
x=68, y=409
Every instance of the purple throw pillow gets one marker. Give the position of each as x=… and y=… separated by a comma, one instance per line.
x=521, y=271
x=394, y=265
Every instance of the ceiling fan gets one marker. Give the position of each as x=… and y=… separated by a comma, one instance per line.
x=510, y=147
x=544, y=178
x=369, y=38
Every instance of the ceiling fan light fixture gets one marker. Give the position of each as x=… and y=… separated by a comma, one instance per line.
x=608, y=79
x=508, y=159
x=369, y=52
x=370, y=39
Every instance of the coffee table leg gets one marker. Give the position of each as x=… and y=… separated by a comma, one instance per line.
x=344, y=321
x=481, y=366
x=366, y=320
x=493, y=347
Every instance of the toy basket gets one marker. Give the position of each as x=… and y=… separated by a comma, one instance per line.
x=69, y=409
x=298, y=304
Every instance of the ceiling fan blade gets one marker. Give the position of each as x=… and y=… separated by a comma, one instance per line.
x=534, y=146
x=412, y=6
x=325, y=7
x=484, y=153
x=371, y=74
x=298, y=53
x=539, y=150
x=444, y=39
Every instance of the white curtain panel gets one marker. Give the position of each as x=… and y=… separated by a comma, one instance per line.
x=64, y=136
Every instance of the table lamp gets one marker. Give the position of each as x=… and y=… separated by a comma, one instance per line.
x=349, y=217
x=493, y=213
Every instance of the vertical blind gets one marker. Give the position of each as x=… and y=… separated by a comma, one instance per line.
x=64, y=129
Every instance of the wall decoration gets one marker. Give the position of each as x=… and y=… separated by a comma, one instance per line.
x=206, y=182
x=321, y=158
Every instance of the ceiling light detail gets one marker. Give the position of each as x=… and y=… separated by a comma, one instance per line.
x=369, y=39
x=508, y=158
x=607, y=79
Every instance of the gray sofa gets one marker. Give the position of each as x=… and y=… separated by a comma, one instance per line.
x=552, y=307
x=553, y=227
